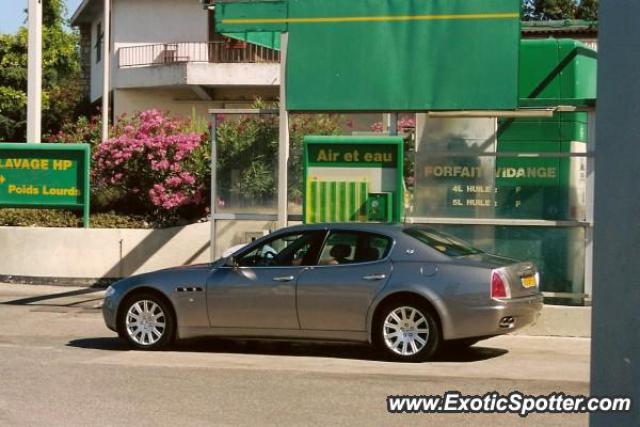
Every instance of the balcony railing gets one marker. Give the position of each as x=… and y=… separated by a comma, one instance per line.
x=217, y=52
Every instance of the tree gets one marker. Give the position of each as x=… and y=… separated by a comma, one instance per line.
x=588, y=10
x=528, y=10
x=62, y=92
x=248, y=155
x=555, y=9
x=560, y=9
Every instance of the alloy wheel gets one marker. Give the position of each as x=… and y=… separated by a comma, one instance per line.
x=145, y=322
x=406, y=331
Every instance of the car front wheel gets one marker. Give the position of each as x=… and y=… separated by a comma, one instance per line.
x=407, y=332
x=147, y=322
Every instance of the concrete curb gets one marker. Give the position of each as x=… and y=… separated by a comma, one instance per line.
x=57, y=281
x=561, y=321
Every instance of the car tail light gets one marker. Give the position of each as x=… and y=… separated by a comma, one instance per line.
x=499, y=286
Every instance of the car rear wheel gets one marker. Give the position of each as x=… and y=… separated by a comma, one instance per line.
x=407, y=332
x=147, y=322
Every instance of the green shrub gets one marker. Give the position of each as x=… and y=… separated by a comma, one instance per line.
x=66, y=218
x=248, y=153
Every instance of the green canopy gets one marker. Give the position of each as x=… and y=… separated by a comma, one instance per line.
x=265, y=39
x=389, y=55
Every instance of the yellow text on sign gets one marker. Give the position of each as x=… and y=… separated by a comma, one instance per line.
x=353, y=156
x=36, y=164
x=43, y=190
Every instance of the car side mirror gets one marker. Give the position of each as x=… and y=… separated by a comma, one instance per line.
x=232, y=262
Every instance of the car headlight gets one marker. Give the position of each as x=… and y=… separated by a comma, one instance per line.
x=110, y=291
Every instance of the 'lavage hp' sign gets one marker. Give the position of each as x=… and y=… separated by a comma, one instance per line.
x=45, y=176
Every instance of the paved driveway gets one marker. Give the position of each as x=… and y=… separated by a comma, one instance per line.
x=60, y=366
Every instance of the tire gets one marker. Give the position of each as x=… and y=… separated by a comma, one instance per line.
x=406, y=331
x=147, y=322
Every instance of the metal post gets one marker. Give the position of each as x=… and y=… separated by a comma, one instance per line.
x=86, y=195
x=214, y=189
x=615, y=347
x=588, y=252
x=392, y=124
x=106, y=69
x=34, y=90
x=283, y=151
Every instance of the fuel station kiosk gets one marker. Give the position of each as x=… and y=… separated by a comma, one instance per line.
x=353, y=179
x=504, y=152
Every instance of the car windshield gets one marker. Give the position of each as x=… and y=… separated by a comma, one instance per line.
x=443, y=243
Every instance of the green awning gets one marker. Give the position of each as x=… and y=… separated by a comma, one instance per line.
x=389, y=55
x=270, y=39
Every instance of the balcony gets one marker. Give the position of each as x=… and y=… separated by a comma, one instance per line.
x=209, y=64
x=217, y=52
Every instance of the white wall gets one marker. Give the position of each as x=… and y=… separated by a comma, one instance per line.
x=242, y=75
x=263, y=74
x=96, y=67
x=182, y=101
x=112, y=253
x=136, y=22
x=158, y=21
x=132, y=100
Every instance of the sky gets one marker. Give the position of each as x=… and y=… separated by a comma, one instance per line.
x=12, y=13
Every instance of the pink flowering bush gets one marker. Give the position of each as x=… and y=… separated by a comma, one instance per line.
x=405, y=124
x=154, y=164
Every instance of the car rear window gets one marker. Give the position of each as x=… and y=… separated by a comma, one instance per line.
x=441, y=242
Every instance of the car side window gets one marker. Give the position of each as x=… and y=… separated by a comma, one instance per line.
x=289, y=250
x=349, y=247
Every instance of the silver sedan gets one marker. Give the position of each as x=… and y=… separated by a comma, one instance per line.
x=405, y=289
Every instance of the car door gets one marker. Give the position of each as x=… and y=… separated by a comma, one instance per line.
x=259, y=291
x=352, y=269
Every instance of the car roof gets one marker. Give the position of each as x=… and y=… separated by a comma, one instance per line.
x=351, y=226
x=394, y=231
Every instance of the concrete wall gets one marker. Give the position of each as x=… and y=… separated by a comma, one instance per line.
x=615, y=354
x=96, y=66
x=183, y=101
x=561, y=321
x=260, y=74
x=179, y=102
x=113, y=253
x=158, y=21
x=86, y=50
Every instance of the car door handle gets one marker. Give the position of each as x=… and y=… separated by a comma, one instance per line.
x=283, y=279
x=375, y=277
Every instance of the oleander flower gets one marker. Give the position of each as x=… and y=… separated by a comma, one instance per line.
x=156, y=158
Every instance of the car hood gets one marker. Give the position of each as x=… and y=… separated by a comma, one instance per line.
x=203, y=266
x=164, y=274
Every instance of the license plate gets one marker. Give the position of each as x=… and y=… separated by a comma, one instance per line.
x=528, y=281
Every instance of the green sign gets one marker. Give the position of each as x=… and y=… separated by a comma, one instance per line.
x=353, y=179
x=390, y=55
x=45, y=176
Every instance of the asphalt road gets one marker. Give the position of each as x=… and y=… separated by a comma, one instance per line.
x=60, y=366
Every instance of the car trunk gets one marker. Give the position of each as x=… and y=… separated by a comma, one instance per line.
x=522, y=277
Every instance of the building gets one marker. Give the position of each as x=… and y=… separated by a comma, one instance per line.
x=176, y=61
x=583, y=31
x=523, y=184
x=165, y=54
